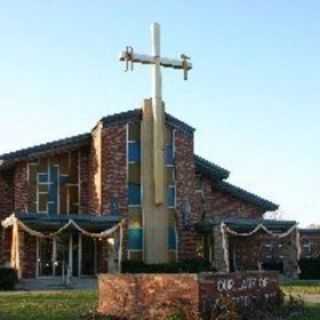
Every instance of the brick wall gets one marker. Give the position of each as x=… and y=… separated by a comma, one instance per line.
x=283, y=251
x=159, y=296
x=6, y=208
x=185, y=184
x=310, y=244
x=242, y=287
x=28, y=255
x=6, y=193
x=114, y=168
x=155, y=296
x=225, y=205
x=84, y=180
x=114, y=173
x=21, y=193
x=259, y=250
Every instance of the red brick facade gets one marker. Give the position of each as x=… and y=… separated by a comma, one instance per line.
x=21, y=191
x=114, y=168
x=185, y=184
x=310, y=243
x=164, y=295
x=84, y=180
x=6, y=207
x=219, y=203
x=103, y=171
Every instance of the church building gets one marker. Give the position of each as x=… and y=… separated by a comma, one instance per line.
x=100, y=178
x=133, y=189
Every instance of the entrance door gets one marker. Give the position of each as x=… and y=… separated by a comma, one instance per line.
x=62, y=255
x=45, y=255
x=56, y=256
x=88, y=254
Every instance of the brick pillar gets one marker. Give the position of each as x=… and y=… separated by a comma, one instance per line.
x=290, y=261
x=218, y=252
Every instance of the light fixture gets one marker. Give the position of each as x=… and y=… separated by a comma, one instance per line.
x=111, y=241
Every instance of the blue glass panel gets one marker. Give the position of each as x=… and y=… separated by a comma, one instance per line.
x=172, y=239
x=53, y=191
x=169, y=155
x=134, y=152
x=43, y=178
x=64, y=179
x=134, y=194
x=171, y=197
x=135, y=239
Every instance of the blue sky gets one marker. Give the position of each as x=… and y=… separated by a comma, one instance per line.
x=253, y=94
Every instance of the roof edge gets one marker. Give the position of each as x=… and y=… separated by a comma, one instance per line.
x=210, y=169
x=54, y=146
x=246, y=196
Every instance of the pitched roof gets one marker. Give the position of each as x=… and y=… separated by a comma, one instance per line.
x=245, y=195
x=136, y=114
x=32, y=152
x=210, y=169
x=82, y=139
x=202, y=165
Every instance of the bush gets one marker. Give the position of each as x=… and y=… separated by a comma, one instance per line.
x=186, y=266
x=310, y=268
x=8, y=278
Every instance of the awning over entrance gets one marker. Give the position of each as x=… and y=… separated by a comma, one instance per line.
x=222, y=237
x=49, y=223
x=48, y=227
x=245, y=225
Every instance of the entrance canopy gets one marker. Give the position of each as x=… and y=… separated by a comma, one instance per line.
x=49, y=223
x=245, y=225
x=228, y=234
x=44, y=226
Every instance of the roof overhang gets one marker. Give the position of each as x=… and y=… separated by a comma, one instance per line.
x=244, y=224
x=209, y=169
x=64, y=145
x=46, y=223
x=244, y=195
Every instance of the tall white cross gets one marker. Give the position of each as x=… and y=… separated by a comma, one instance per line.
x=130, y=57
x=156, y=61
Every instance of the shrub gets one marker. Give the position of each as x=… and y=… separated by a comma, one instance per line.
x=310, y=268
x=186, y=266
x=8, y=278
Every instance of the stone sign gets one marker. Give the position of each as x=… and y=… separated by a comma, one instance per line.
x=156, y=296
x=242, y=287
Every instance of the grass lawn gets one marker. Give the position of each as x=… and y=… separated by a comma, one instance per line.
x=71, y=305
x=64, y=305
x=302, y=287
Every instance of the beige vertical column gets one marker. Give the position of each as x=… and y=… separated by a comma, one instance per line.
x=220, y=249
x=96, y=167
x=155, y=215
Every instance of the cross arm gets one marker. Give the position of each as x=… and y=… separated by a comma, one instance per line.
x=146, y=59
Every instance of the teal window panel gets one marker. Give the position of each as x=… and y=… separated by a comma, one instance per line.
x=171, y=197
x=169, y=155
x=53, y=191
x=43, y=178
x=134, y=194
x=172, y=235
x=134, y=151
x=135, y=239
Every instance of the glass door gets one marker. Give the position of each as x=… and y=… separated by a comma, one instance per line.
x=62, y=254
x=45, y=254
x=69, y=250
x=88, y=256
